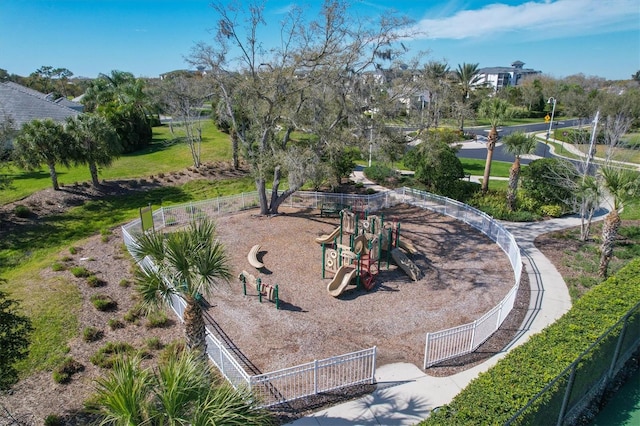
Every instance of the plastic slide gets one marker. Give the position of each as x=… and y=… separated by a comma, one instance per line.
x=410, y=268
x=325, y=239
x=407, y=246
x=341, y=280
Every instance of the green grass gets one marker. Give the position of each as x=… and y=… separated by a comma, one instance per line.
x=475, y=167
x=161, y=156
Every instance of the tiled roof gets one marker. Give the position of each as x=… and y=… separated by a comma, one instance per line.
x=24, y=105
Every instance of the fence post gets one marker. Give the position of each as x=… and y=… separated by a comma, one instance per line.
x=565, y=400
x=373, y=365
x=164, y=223
x=426, y=351
x=473, y=335
x=315, y=376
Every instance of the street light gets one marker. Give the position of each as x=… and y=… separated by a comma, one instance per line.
x=553, y=111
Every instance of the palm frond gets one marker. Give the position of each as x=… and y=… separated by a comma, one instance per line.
x=151, y=286
x=123, y=393
x=149, y=244
x=225, y=405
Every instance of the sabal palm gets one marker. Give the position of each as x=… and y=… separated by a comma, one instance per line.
x=467, y=76
x=189, y=262
x=436, y=73
x=96, y=142
x=623, y=186
x=496, y=110
x=180, y=391
x=42, y=142
x=516, y=144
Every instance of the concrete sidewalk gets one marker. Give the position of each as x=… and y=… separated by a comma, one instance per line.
x=405, y=395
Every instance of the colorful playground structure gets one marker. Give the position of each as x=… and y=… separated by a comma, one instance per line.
x=264, y=290
x=353, y=251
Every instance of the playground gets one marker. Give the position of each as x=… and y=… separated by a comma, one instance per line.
x=463, y=274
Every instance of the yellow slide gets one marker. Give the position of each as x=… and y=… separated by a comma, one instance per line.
x=341, y=280
x=326, y=239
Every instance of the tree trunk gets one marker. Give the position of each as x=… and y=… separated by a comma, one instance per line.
x=514, y=175
x=54, y=175
x=491, y=144
x=262, y=196
x=234, y=149
x=609, y=234
x=194, y=327
x=93, y=169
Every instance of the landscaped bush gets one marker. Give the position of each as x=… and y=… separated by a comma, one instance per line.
x=124, y=283
x=57, y=266
x=379, y=172
x=22, y=211
x=553, y=210
x=157, y=320
x=53, y=420
x=106, y=355
x=63, y=372
x=73, y=250
x=91, y=334
x=115, y=323
x=495, y=396
x=134, y=313
x=80, y=272
x=154, y=343
x=94, y=281
x=103, y=302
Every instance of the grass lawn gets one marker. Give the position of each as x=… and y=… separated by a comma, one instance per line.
x=52, y=304
x=475, y=167
x=161, y=156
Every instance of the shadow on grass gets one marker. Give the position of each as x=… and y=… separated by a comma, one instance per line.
x=20, y=240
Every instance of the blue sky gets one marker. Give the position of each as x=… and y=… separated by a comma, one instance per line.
x=148, y=37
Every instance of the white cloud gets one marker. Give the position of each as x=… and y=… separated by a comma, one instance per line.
x=536, y=19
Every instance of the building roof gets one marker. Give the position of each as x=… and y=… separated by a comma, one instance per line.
x=24, y=105
x=516, y=67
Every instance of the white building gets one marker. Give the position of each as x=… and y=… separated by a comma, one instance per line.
x=499, y=77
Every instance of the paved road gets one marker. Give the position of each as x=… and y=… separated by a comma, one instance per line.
x=480, y=152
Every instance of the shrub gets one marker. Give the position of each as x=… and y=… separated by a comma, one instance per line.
x=157, y=320
x=66, y=258
x=103, y=302
x=172, y=351
x=154, y=343
x=115, y=323
x=80, y=272
x=73, y=250
x=124, y=283
x=106, y=355
x=134, y=313
x=553, y=210
x=91, y=334
x=53, y=420
x=94, y=281
x=57, y=266
x=22, y=211
x=63, y=372
x=378, y=172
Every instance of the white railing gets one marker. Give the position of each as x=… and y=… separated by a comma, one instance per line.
x=315, y=377
x=466, y=338
x=358, y=367
x=271, y=388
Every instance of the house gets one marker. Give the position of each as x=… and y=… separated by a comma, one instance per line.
x=499, y=77
x=19, y=105
x=22, y=105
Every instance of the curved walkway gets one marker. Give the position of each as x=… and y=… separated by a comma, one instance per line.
x=405, y=395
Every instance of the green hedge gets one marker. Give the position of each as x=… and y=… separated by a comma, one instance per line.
x=496, y=395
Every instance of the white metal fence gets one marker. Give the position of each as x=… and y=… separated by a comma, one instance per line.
x=357, y=367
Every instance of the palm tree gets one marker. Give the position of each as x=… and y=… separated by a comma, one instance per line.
x=180, y=391
x=496, y=110
x=435, y=73
x=623, y=186
x=95, y=141
x=42, y=142
x=467, y=76
x=189, y=263
x=516, y=144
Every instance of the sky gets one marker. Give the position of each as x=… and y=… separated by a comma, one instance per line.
x=149, y=37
